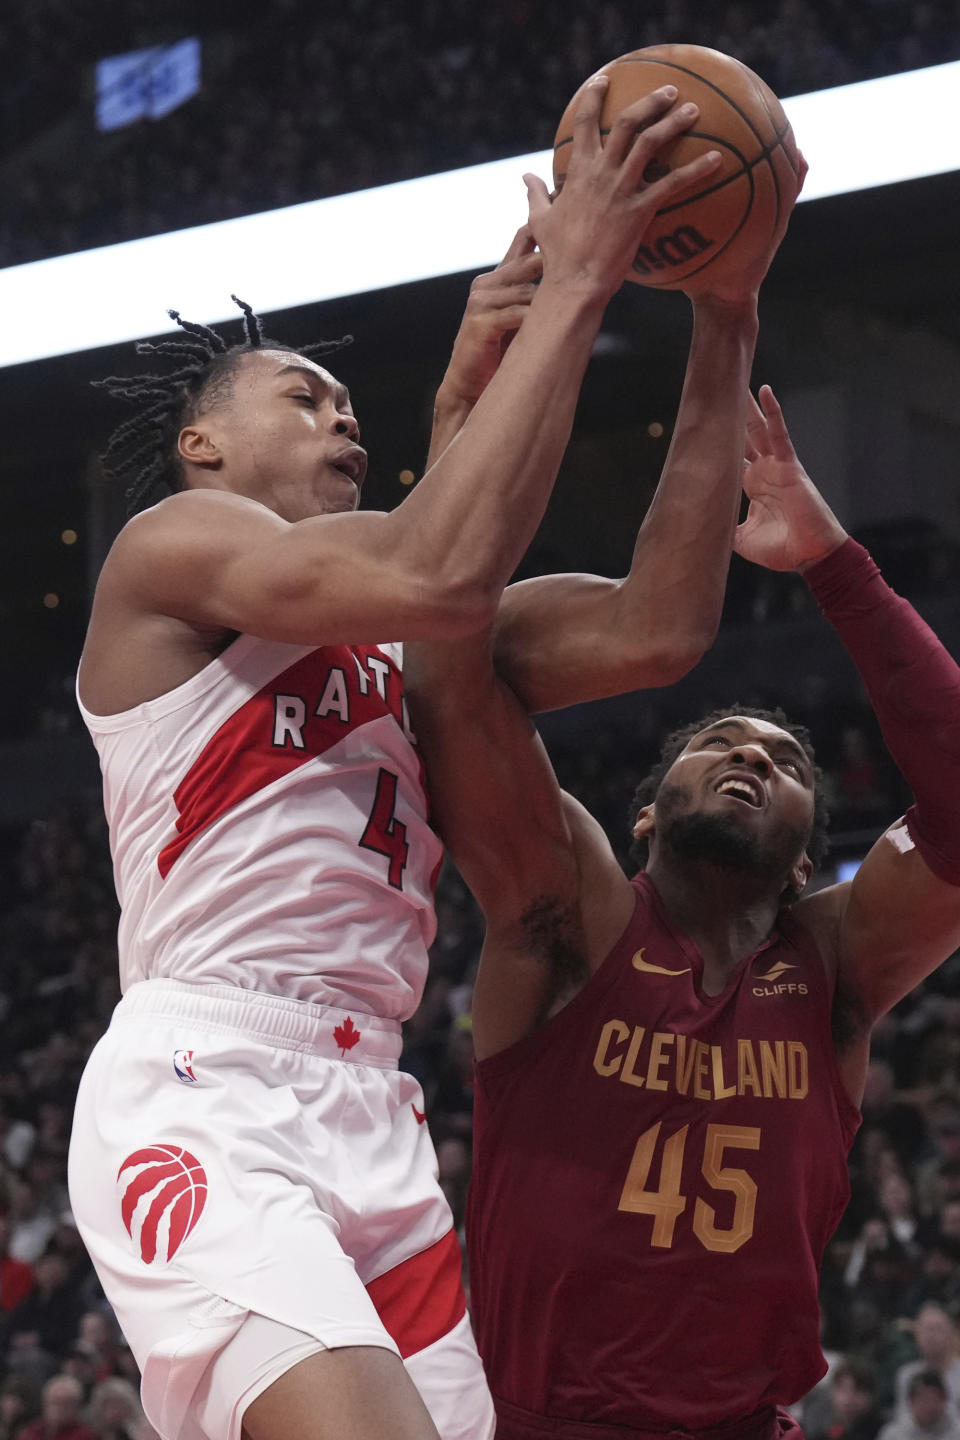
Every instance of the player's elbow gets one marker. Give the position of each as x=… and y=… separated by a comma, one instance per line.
x=654, y=662
x=668, y=664
x=679, y=648
x=679, y=663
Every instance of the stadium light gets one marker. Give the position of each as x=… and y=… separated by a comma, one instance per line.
x=876, y=132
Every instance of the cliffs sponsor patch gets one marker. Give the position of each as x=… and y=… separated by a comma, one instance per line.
x=774, y=983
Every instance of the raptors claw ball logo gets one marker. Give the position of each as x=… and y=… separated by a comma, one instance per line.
x=164, y=1189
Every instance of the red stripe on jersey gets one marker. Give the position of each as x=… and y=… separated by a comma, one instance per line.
x=420, y=1300
x=241, y=757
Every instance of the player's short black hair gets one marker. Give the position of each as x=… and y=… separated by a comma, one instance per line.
x=142, y=451
x=676, y=741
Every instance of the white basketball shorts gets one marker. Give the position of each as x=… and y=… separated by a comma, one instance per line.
x=239, y=1160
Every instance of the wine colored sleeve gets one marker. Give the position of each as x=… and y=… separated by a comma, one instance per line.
x=914, y=687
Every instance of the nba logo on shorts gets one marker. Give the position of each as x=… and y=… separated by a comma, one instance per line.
x=183, y=1065
x=163, y=1192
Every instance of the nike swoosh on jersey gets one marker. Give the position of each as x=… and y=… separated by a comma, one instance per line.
x=421, y=1116
x=640, y=964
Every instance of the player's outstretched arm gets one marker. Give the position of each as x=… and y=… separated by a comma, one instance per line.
x=438, y=563
x=900, y=916
x=568, y=638
x=553, y=896
x=563, y=639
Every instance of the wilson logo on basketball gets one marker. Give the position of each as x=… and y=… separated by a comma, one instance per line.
x=671, y=250
x=164, y=1190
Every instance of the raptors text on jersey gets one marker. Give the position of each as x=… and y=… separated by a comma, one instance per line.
x=269, y=828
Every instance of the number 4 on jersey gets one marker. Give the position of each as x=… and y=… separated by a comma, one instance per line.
x=384, y=832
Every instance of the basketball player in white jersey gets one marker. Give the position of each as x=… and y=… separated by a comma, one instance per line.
x=249, y=1169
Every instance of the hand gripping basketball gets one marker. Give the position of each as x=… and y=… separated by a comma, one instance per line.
x=590, y=232
x=720, y=236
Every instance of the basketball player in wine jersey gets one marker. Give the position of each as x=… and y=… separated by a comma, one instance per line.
x=249, y=1169
x=669, y=1067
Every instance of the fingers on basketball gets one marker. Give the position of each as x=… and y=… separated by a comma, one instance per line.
x=640, y=119
x=653, y=138
x=685, y=178
x=586, y=124
x=725, y=226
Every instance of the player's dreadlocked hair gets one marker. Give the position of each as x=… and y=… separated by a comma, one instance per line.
x=142, y=451
x=646, y=791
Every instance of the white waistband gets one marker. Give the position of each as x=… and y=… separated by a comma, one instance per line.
x=290, y=1024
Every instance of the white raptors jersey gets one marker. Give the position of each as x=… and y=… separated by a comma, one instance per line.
x=268, y=824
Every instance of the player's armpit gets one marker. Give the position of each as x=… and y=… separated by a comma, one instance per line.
x=536, y=959
x=900, y=922
x=222, y=561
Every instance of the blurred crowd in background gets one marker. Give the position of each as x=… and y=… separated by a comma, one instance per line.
x=297, y=103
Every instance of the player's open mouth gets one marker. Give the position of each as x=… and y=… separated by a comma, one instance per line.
x=353, y=464
x=743, y=788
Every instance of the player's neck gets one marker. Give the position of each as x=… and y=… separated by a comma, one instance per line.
x=727, y=915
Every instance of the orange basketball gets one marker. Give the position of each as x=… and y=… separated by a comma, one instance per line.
x=709, y=235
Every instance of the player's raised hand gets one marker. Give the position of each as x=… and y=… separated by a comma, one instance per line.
x=789, y=525
x=498, y=302
x=590, y=232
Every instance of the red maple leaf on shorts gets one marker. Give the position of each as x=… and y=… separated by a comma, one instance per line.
x=346, y=1035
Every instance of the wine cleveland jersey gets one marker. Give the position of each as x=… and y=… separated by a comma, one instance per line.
x=268, y=824
x=657, y=1174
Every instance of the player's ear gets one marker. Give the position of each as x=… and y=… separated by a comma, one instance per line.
x=198, y=447
x=644, y=824
x=797, y=880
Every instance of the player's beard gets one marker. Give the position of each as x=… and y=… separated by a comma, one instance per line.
x=697, y=837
